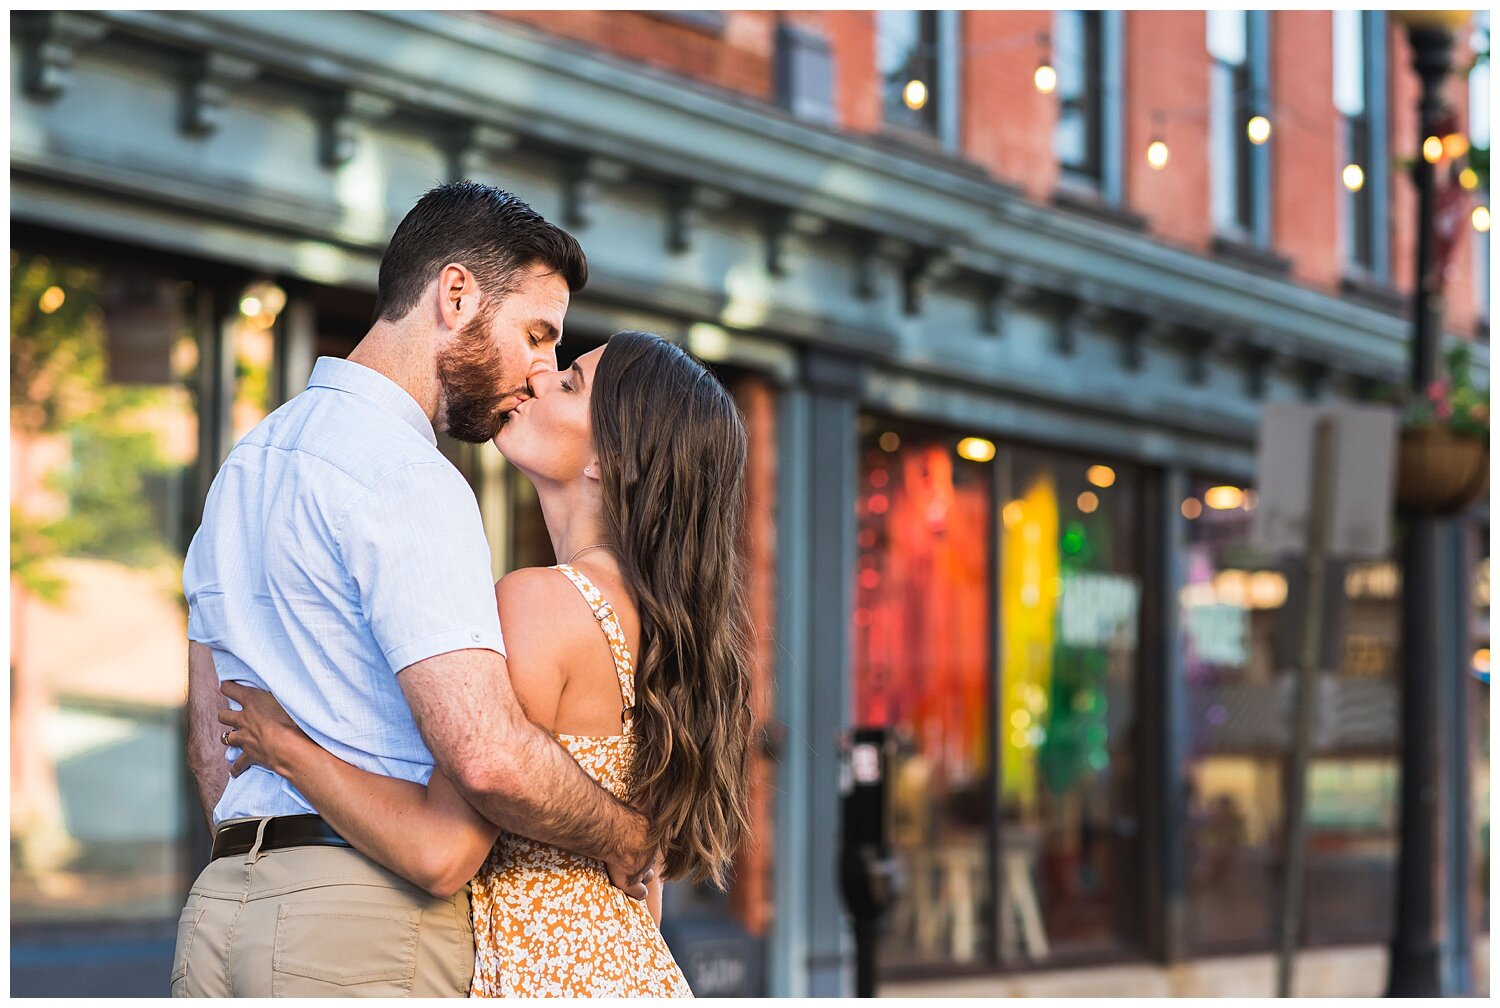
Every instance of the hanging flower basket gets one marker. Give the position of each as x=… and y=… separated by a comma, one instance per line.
x=1440, y=471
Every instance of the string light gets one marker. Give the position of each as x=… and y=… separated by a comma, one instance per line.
x=1432, y=149
x=1258, y=129
x=1469, y=179
x=1480, y=218
x=1045, y=77
x=1354, y=177
x=914, y=94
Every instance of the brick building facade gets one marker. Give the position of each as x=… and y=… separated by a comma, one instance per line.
x=1007, y=126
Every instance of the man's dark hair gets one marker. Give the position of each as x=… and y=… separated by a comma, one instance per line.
x=479, y=226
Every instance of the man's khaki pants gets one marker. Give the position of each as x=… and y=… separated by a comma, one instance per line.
x=318, y=922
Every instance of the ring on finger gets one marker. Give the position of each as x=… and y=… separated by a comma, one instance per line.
x=224, y=737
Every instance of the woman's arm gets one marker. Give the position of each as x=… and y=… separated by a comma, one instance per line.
x=428, y=835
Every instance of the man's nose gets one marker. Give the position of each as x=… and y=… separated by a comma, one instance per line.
x=541, y=365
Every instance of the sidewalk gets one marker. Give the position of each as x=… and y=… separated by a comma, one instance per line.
x=1353, y=971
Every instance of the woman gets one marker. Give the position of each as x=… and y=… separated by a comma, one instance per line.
x=632, y=651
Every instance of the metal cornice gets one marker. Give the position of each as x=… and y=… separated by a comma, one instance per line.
x=460, y=66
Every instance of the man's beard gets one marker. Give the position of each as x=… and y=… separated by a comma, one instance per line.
x=470, y=371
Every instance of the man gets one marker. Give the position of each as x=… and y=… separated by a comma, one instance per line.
x=342, y=565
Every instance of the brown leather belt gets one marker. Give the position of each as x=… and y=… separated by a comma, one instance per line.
x=281, y=831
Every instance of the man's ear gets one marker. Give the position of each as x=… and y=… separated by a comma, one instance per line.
x=458, y=296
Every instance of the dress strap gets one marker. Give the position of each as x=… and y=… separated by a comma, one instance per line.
x=610, y=624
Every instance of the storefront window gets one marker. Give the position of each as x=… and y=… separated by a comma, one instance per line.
x=921, y=669
x=1238, y=641
x=998, y=597
x=1069, y=611
x=104, y=436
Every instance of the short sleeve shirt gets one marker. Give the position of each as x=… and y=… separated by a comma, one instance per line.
x=338, y=547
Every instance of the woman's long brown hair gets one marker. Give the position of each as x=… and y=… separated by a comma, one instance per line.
x=671, y=446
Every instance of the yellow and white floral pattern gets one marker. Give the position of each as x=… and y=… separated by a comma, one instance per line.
x=547, y=922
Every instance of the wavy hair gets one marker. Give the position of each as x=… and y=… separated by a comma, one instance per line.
x=672, y=447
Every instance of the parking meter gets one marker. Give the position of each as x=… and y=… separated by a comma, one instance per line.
x=867, y=875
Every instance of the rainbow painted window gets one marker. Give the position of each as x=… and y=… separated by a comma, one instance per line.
x=922, y=669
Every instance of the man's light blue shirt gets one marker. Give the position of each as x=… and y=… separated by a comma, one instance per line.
x=338, y=546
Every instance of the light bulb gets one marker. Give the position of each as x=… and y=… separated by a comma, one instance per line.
x=1432, y=149
x=1455, y=145
x=1157, y=154
x=1258, y=129
x=1045, y=78
x=1354, y=177
x=1468, y=178
x=914, y=94
x=1480, y=218
x=976, y=449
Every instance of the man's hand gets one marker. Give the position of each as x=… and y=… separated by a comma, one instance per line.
x=633, y=882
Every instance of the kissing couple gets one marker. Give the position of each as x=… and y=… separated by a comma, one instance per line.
x=405, y=801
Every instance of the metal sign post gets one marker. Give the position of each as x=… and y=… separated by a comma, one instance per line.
x=1307, y=698
x=1325, y=488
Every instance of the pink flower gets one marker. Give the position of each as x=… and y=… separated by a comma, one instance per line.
x=1438, y=390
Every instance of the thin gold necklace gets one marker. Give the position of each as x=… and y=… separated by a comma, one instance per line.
x=584, y=550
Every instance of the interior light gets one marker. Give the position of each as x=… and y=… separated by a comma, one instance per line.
x=914, y=94
x=1455, y=145
x=1088, y=502
x=1469, y=179
x=1482, y=660
x=51, y=300
x=890, y=441
x=1101, y=476
x=250, y=307
x=1224, y=498
x=976, y=449
x=1432, y=149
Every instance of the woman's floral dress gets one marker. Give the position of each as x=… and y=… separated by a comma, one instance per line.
x=548, y=923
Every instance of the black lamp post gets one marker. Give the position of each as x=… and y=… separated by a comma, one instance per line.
x=1416, y=958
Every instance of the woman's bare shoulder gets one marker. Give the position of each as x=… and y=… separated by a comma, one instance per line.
x=540, y=598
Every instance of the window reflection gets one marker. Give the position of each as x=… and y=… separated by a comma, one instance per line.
x=103, y=444
x=1238, y=638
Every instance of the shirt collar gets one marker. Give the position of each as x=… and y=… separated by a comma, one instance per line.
x=367, y=383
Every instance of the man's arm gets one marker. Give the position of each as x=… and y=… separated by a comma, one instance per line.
x=513, y=772
x=205, y=755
